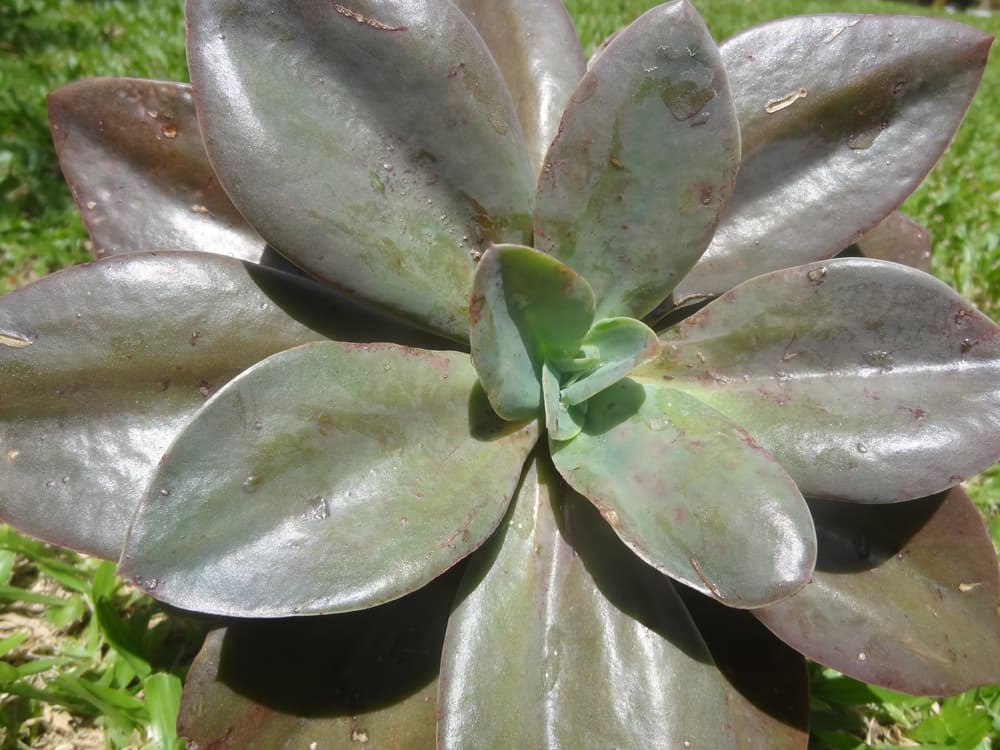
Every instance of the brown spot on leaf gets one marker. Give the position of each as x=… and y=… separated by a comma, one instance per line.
x=372, y=23
x=586, y=89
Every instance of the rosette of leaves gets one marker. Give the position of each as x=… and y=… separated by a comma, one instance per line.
x=414, y=344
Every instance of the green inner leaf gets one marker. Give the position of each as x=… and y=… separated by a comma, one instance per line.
x=623, y=344
x=691, y=493
x=526, y=308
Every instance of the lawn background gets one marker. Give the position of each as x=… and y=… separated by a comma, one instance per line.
x=88, y=662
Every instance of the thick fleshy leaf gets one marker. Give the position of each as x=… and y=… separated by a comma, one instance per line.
x=645, y=159
x=131, y=151
x=327, y=478
x=624, y=344
x=526, y=307
x=770, y=679
x=904, y=596
x=899, y=239
x=842, y=116
x=539, y=54
x=691, y=493
x=562, y=421
x=364, y=679
x=375, y=144
x=869, y=381
x=101, y=365
x=562, y=638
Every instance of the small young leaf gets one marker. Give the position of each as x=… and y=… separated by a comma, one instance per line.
x=562, y=420
x=624, y=344
x=526, y=307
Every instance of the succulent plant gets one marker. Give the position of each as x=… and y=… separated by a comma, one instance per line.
x=400, y=320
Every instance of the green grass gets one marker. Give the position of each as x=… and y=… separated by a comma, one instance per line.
x=74, y=642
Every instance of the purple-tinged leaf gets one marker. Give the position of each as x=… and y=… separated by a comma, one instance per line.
x=691, y=493
x=526, y=307
x=841, y=116
x=536, y=47
x=555, y=597
x=327, y=478
x=899, y=239
x=374, y=144
x=102, y=365
x=132, y=153
x=644, y=161
x=937, y=633
x=364, y=679
x=868, y=381
x=769, y=679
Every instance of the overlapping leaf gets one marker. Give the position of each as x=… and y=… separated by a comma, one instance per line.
x=937, y=633
x=841, y=117
x=526, y=308
x=375, y=144
x=337, y=682
x=867, y=380
x=644, y=161
x=539, y=55
x=132, y=153
x=103, y=364
x=554, y=597
x=328, y=478
x=691, y=493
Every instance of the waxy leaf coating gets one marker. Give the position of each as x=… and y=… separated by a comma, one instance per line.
x=328, y=478
x=936, y=559
x=131, y=151
x=555, y=596
x=691, y=493
x=103, y=364
x=536, y=47
x=373, y=143
x=644, y=161
x=868, y=381
x=841, y=117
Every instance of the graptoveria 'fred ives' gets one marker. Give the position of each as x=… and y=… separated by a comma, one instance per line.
x=415, y=340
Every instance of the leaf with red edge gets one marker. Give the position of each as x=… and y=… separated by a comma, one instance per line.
x=131, y=151
x=903, y=596
x=841, y=116
x=536, y=47
x=645, y=159
x=868, y=381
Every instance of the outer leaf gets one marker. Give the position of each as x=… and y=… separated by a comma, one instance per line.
x=374, y=143
x=624, y=344
x=842, y=117
x=770, y=680
x=562, y=638
x=539, y=54
x=274, y=498
x=526, y=307
x=364, y=679
x=903, y=596
x=645, y=158
x=867, y=380
x=133, y=155
x=691, y=493
x=899, y=239
x=101, y=366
